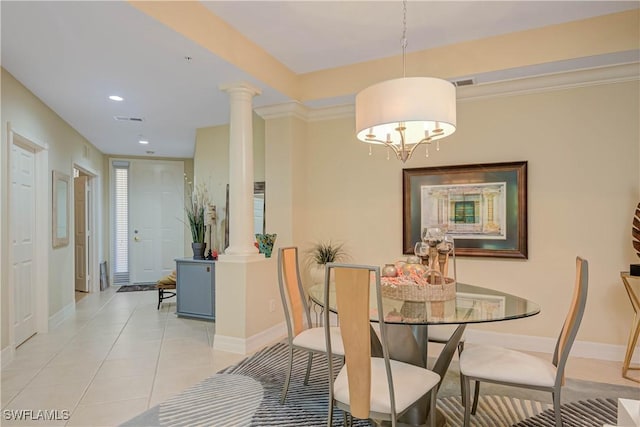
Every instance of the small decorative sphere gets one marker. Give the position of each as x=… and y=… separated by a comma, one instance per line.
x=389, y=270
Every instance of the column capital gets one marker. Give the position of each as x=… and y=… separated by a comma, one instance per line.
x=240, y=87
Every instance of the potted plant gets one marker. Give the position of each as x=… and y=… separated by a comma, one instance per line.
x=321, y=253
x=196, y=208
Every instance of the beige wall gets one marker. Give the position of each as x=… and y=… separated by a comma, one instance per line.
x=285, y=159
x=34, y=120
x=582, y=148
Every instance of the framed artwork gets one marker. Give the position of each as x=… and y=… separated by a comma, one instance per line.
x=483, y=206
x=60, y=209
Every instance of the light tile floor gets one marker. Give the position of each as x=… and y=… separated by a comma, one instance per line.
x=119, y=356
x=115, y=358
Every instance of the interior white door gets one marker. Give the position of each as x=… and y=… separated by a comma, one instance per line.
x=80, y=233
x=23, y=204
x=156, y=200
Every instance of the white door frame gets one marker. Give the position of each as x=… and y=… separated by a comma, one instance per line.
x=96, y=228
x=41, y=242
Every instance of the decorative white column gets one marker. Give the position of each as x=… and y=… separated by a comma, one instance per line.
x=248, y=309
x=241, y=236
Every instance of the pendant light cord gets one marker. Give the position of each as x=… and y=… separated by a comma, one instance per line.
x=404, y=38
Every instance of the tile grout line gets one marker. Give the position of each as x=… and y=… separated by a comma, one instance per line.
x=106, y=355
x=155, y=375
x=55, y=354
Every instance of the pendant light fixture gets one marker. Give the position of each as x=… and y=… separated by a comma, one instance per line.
x=404, y=113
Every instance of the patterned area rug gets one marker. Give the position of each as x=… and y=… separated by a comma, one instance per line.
x=136, y=287
x=591, y=412
x=248, y=394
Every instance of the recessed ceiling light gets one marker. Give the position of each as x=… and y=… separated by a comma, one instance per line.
x=116, y=98
x=143, y=141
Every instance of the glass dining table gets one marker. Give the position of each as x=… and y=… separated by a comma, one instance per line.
x=409, y=320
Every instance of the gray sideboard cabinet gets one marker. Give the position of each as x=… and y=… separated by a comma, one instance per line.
x=196, y=288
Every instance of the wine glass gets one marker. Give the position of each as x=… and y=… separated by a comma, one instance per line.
x=446, y=245
x=421, y=249
x=433, y=235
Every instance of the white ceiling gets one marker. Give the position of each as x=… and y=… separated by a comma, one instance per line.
x=73, y=55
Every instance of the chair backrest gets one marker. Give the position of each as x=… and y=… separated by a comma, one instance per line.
x=292, y=292
x=352, y=292
x=573, y=319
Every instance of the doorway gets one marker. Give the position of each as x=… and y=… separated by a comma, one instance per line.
x=82, y=230
x=157, y=209
x=147, y=200
x=28, y=237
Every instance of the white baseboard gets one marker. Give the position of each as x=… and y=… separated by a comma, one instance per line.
x=251, y=344
x=6, y=355
x=62, y=315
x=586, y=349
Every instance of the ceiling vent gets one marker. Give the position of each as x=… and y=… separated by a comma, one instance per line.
x=127, y=119
x=464, y=82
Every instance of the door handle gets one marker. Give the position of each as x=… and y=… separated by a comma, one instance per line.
x=136, y=239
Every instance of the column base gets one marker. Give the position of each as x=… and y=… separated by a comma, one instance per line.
x=248, y=307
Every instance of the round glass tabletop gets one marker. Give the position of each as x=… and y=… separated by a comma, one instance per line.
x=472, y=304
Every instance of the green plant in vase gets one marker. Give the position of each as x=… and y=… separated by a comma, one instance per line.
x=320, y=254
x=196, y=207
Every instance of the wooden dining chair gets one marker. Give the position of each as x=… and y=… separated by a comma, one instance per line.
x=369, y=387
x=509, y=367
x=300, y=333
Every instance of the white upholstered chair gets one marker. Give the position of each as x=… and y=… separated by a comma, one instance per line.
x=369, y=387
x=300, y=333
x=510, y=367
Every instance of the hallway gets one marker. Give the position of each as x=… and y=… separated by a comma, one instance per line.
x=115, y=358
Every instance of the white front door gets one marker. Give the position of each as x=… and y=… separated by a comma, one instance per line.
x=80, y=233
x=23, y=203
x=156, y=200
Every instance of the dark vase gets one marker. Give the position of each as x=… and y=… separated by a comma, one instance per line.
x=198, y=250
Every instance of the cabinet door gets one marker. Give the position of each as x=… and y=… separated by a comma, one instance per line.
x=195, y=293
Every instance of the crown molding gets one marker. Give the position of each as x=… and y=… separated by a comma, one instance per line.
x=331, y=113
x=537, y=84
x=551, y=82
x=287, y=109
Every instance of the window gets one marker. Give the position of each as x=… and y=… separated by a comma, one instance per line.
x=121, y=221
x=465, y=213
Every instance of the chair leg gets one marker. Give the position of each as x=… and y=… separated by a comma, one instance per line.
x=556, y=407
x=306, y=376
x=285, y=388
x=433, y=412
x=460, y=348
x=476, y=395
x=330, y=413
x=467, y=405
x=345, y=419
x=159, y=298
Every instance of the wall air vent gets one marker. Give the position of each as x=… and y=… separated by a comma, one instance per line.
x=464, y=82
x=127, y=119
